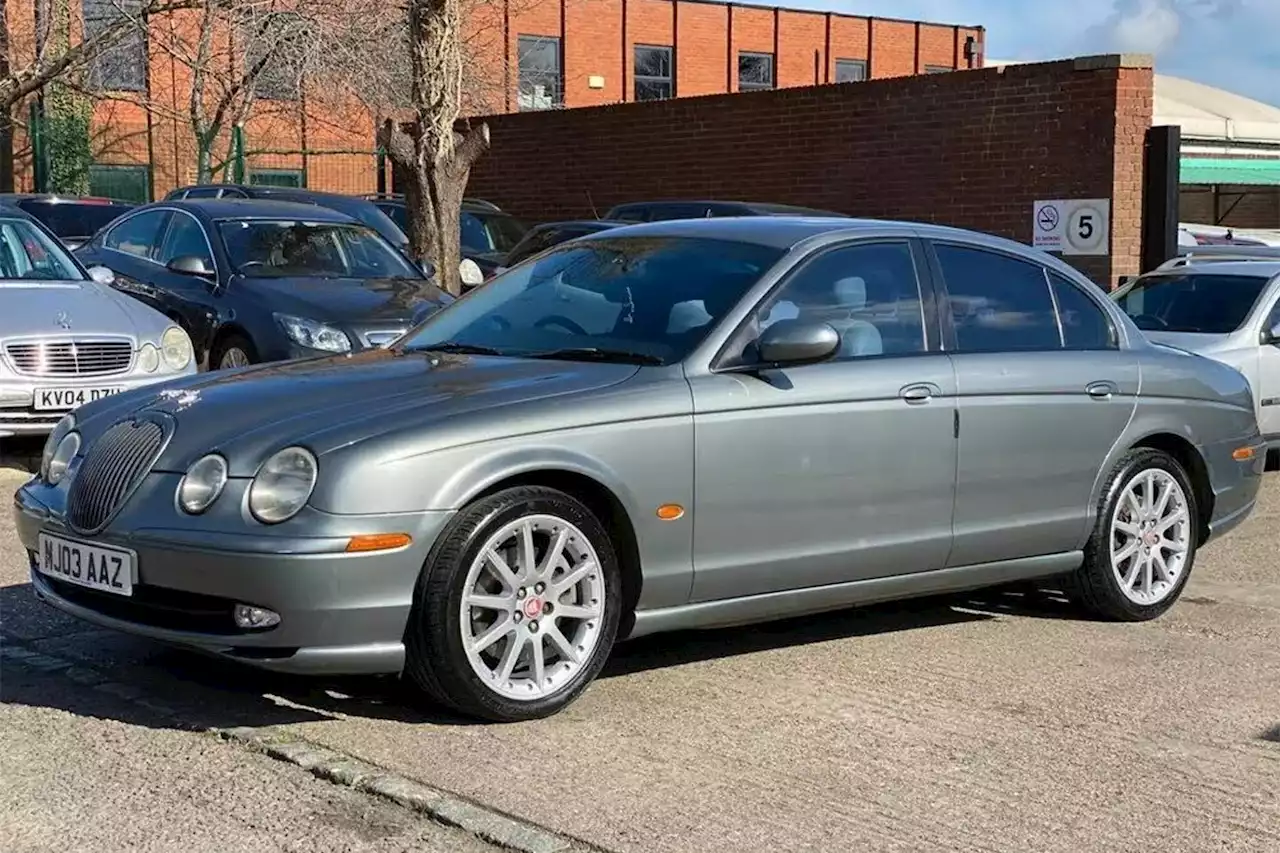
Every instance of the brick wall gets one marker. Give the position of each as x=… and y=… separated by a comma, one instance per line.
x=974, y=149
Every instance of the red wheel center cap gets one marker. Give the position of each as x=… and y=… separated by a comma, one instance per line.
x=1152, y=538
x=533, y=607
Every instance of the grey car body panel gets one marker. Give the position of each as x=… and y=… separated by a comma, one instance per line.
x=806, y=489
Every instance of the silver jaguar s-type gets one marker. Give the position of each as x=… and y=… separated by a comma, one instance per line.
x=66, y=337
x=671, y=425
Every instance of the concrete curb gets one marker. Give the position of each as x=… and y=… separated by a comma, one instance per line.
x=332, y=766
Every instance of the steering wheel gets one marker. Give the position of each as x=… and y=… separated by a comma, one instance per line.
x=1143, y=321
x=563, y=322
x=248, y=264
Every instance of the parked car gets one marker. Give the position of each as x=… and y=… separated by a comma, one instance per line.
x=1222, y=302
x=541, y=237
x=68, y=338
x=869, y=411
x=488, y=233
x=357, y=208
x=658, y=211
x=254, y=281
x=72, y=219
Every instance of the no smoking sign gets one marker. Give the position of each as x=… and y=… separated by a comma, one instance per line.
x=1072, y=227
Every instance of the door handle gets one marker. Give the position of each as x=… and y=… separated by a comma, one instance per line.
x=1101, y=390
x=921, y=392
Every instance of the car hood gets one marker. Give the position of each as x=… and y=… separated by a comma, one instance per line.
x=331, y=402
x=71, y=308
x=1190, y=342
x=354, y=300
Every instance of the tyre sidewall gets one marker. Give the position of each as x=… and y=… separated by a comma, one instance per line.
x=441, y=613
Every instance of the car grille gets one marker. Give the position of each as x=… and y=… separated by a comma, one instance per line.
x=70, y=358
x=112, y=468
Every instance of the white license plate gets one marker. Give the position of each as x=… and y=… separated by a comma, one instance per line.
x=92, y=566
x=66, y=399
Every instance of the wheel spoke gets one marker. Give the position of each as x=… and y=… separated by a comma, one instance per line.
x=491, y=602
x=1149, y=492
x=1131, y=574
x=1127, y=551
x=1172, y=546
x=1135, y=508
x=538, y=664
x=528, y=558
x=1146, y=575
x=499, y=568
x=1127, y=528
x=1161, y=567
x=574, y=611
x=500, y=629
x=1162, y=503
x=572, y=579
x=554, y=553
x=1165, y=523
x=563, y=646
x=509, y=657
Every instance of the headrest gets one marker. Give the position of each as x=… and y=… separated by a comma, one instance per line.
x=851, y=293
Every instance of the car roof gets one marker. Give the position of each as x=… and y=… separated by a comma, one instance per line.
x=583, y=223
x=765, y=207
x=1255, y=269
x=55, y=198
x=257, y=208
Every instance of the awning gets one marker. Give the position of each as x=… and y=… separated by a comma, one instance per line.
x=1225, y=170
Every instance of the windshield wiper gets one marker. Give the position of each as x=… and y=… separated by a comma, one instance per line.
x=597, y=354
x=455, y=347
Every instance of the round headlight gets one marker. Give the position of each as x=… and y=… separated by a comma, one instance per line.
x=60, y=430
x=148, y=358
x=62, y=456
x=283, y=485
x=202, y=484
x=175, y=348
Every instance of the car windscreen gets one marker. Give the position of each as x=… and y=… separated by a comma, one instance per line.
x=275, y=248
x=490, y=232
x=1195, y=303
x=28, y=254
x=69, y=219
x=630, y=299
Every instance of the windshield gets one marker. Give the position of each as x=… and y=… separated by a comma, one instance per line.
x=637, y=299
x=261, y=248
x=71, y=219
x=1203, y=303
x=28, y=254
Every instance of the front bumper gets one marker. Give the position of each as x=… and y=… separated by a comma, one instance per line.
x=340, y=613
x=18, y=415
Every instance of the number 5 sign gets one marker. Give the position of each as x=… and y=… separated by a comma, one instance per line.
x=1072, y=227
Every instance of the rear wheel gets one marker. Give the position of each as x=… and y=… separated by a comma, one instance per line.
x=233, y=351
x=1143, y=546
x=517, y=608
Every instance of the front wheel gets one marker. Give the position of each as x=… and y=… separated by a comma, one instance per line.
x=517, y=608
x=1143, y=546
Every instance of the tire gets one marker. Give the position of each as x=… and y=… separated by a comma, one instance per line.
x=1097, y=585
x=229, y=344
x=517, y=613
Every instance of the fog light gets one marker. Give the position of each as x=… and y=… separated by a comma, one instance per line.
x=249, y=616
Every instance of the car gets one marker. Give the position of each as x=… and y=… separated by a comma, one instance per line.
x=67, y=337
x=72, y=219
x=1221, y=302
x=254, y=281
x=676, y=425
x=488, y=233
x=657, y=211
x=356, y=207
x=543, y=236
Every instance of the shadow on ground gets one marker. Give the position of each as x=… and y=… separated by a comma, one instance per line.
x=20, y=455
x=205, y=692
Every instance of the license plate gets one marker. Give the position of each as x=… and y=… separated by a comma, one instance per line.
x=65, y=399
x=92, y=566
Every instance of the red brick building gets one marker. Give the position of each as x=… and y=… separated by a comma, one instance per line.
x=524, y=55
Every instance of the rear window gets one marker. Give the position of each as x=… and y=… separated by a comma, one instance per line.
x=1192, y=303
x=73, y=219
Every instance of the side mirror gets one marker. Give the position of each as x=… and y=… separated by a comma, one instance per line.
x=191, y=265
x=428, y=268
x=102, y=275
x=790, y=343
x=470, y=273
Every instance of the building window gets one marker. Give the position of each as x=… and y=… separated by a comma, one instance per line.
x=851, y=70
x=123, y=183
x=755, y=71
x=938, y=69
x=540, y=76
x=655, y=78
x=291, y=178
x=121, y=67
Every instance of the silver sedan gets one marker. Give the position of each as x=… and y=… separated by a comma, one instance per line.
x=66, y=337
x=666, y=426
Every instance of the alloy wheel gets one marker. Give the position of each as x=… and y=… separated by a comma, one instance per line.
x=1151, y=530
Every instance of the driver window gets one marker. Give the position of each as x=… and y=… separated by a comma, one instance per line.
x=185, y=239
x=1273, y=318
x=137, y=235
x=869, y=293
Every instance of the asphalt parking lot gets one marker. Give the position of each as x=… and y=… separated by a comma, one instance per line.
x=1002, y=721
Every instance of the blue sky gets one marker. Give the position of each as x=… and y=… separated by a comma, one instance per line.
x=1232, y=44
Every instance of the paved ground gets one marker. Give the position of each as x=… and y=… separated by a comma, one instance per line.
x=983, y=723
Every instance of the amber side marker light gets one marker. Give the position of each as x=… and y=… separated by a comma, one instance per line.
x=378, y=542
x=1241, y=454
x=670, y=512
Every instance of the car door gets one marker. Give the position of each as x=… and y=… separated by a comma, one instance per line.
x=1045, y=391
x=129, y=249
x=830, y=472
x=195, y=301
x=1268, y=391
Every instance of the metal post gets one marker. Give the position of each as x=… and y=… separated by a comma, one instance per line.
x=1161, y=182
x=237, y=157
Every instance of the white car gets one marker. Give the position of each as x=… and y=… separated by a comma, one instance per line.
x=66, y=337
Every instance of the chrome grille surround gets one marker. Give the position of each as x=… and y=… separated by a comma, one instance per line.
x=112, y=468
x=70, y=356
x=380, y=337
